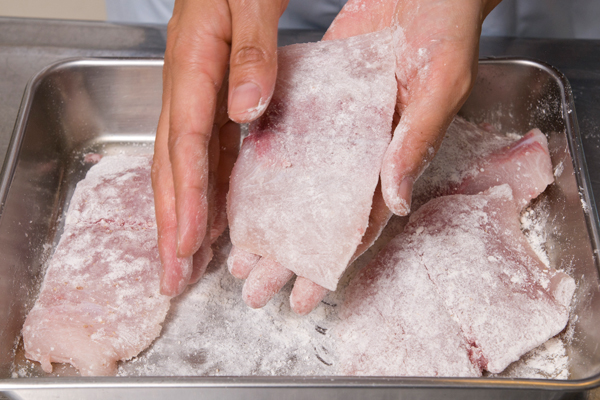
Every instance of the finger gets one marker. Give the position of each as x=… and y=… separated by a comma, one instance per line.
x=432, y=86
x=198, y=60
x=416, y=140
x=265, y=280
x=229, y=140
x=204, y=255
x=175, y=271
x=253, y=64
x=200, y=260
x=306, y=296
x=213, y=163
x=240, y=262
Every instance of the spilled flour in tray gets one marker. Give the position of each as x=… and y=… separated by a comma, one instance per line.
x=548, y=361
x=211, y=332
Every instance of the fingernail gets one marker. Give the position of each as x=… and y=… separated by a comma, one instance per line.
x=244, y=99
x=402, y=206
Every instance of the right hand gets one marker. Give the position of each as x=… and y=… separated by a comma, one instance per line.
x=437, y=64
x=204, y=37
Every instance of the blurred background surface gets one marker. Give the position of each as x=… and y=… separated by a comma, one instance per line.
x=574, y=19
x=94, y=10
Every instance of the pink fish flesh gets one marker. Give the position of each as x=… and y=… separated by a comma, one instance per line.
x=472, y=159
x=302, y=188
x=100, y=300
x=476, y=269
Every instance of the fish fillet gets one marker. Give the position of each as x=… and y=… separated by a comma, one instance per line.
x=302, y=188
x=476, y=269
x=472, y=159
x=100, y=301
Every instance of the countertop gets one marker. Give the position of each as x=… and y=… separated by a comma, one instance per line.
x=28, y=45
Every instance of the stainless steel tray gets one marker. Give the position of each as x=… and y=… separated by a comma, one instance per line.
x=106, y=106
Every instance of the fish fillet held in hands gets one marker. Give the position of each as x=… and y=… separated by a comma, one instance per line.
x=462, y=266
x=100, y=300
x=302, y=188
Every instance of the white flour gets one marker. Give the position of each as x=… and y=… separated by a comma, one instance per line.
x=210, y=331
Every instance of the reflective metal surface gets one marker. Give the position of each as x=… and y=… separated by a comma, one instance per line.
x=106, y=105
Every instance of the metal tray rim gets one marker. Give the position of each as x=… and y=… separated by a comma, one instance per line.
x=10, y=160
x=298, y=382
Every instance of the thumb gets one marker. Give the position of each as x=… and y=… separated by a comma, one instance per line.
x=428, y=100
x=416, y=140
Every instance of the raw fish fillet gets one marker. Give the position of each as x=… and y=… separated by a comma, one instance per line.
x=302, y=188
x=524, y=164
x=100, y=301
x=506, y=300
x=394, y=322
x=472, y=159
x=481, y=273
x=115, y=192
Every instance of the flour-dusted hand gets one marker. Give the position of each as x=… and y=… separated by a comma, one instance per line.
x=437, y=45
x=189, y=170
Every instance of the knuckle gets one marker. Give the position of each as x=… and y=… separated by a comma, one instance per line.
x=172, y=26
x=249, y=55
x=173, y=36
x=179, y=51
x=175, y=138
x=182, y=137
x=183, y=46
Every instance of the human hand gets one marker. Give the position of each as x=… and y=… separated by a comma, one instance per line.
x=437, y=54
x=437, y=47
x=204, y=37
